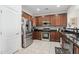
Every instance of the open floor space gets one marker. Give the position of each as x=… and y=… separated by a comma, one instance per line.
x=40, y=47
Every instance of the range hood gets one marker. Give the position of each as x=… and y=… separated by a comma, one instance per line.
x=45, y=23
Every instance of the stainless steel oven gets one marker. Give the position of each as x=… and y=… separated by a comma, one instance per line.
x=46, y=36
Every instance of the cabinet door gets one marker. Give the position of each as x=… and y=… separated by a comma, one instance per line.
x=52, y=36
x=53, y=20
x=63, y=19
x=36, y=35
x=47, y=18
x=34, y=21
x=37, y=21
x=39, y=35
x=58, y=20
x=75, y=49
x=40, y=19
x=58, y=36
x=55, y=36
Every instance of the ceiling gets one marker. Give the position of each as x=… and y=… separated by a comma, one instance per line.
x=45, y=9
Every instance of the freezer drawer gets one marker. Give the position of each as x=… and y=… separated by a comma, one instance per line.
x=27, y=42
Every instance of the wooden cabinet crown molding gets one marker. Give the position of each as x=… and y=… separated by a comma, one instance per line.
x=25, y=15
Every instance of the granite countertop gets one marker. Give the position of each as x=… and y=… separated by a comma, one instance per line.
x=45, y=30
x=72, y=37
x=45, y=27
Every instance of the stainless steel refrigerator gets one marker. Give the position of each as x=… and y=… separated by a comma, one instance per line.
x=26, y=32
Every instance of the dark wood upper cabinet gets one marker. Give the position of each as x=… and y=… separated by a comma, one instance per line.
x=40, y=18
x=47, y=18
x=35, y=21
x=59, y=20
x=63, y=19
x=58, y=23
x=55, y=20
x=27, y=16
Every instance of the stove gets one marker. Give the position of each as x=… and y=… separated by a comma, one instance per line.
x=46, y=36
x=46, y=29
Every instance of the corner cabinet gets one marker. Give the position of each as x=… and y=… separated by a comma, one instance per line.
x=10, y=29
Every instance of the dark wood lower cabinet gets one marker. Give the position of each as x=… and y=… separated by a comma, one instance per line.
x=75, y=49
x=36, y=35
x=55, y=36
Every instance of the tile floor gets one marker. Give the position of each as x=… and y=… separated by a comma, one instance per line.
x=40, y=47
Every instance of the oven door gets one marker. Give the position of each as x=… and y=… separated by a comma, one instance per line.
x=45, y=35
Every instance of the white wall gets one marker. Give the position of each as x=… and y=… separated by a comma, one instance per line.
x=73, y=11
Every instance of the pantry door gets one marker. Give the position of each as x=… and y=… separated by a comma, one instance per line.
x=10, y=24
x=0, y=32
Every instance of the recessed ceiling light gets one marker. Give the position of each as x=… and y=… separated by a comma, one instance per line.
x=58, y=5
x=38, y=9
